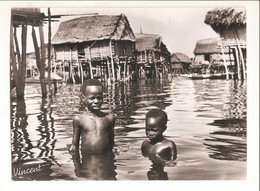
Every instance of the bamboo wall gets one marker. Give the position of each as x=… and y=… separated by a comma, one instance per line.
x=98, y=50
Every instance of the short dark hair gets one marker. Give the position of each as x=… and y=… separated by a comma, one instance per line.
x=89, y=82
x=159, y=114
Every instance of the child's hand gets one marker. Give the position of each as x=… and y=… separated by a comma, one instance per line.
x=73, y=149
x=116, y=150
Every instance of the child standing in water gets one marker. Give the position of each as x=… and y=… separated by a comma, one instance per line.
x=157, y=145
x=94, y=127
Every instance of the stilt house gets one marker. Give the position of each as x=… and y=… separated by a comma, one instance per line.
x=180, y=63
x=152, y=54
x=209, y=53
x=100, y=46
x=230, y=24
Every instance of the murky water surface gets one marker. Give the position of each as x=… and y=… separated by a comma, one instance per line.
x=207, y=121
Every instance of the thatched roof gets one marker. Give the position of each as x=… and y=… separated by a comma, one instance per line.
x=151, y=42
x=178, y=57
x=207, y=46
x=26, y=16
x=91, y=28
x=223, y=18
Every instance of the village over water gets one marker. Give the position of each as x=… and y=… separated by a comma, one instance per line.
x=204, y=96
x=105, y=47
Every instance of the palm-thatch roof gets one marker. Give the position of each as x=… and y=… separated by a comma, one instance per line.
x=92, y=28
x=151, y=42
x=178, y=57
x=208, y=46
x=223, y=18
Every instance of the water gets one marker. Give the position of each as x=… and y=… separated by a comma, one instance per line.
x=207, y=121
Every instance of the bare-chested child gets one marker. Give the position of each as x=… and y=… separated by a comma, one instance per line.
x=157, y=145
x=94, y=127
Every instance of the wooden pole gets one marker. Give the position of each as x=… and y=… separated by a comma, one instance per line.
x=71, y=66
x=112, y=61
x=14, y=64
x=42, y=78
x=82, y=73
x=49, y=51
x=238, y=64
x=40, y=67
x=240, y=53
x=223, y=57
x=155, y=66
x=17, y=49
x=90, y=64
x=23, y=65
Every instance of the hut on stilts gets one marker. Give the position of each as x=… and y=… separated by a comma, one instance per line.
x=209, y=55
x=180, y=63
x=230, y=24
x=21, y=18
x=153, y=56
x=99, y=46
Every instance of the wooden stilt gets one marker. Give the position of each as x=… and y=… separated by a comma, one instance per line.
x=49, y=52
x=63, y=62
x=223, y=57
x=241, y=55
x=237, y=64
x=81, y=73
x=42, y=77
x=20, y=94
x=40, y=64
x=23, y=65
x=112, y=61
x=90, y=64
x=17, y=49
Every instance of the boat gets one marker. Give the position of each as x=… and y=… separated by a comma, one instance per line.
x=196, y=76
x=200, y=76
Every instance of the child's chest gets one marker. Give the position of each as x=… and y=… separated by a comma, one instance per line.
x=156, y=149
x=96, y=124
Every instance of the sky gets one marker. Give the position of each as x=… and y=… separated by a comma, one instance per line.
x=180, y=28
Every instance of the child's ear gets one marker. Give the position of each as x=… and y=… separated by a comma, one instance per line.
x=165, y=127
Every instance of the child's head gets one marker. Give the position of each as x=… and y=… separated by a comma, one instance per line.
x=155, y=123
x=92, y=94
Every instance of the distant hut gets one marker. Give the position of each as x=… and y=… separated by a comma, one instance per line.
x=230, y=24
x=209, y=54
x=152, y=54
x=180, y=63
x=100, y=46
x=31, y=66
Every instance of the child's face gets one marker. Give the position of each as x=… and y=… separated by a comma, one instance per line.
x=154, y=129
x=94, y=97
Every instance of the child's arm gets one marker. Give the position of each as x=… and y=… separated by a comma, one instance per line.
x=76, y=135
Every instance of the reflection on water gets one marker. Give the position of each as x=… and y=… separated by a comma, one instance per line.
x=207, y=121
x=95, y=166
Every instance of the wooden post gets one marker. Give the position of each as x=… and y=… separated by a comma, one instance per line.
x=16, y=75
x=238, y=64
x=49, y=52
x=155, y=66
x=82, y=72
x=112, y=61
x=90, y=64
x=23, y=68
x=241, y=54
x=40, y=64
x=63, y=62
x=17, y=49
x=223, y=56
